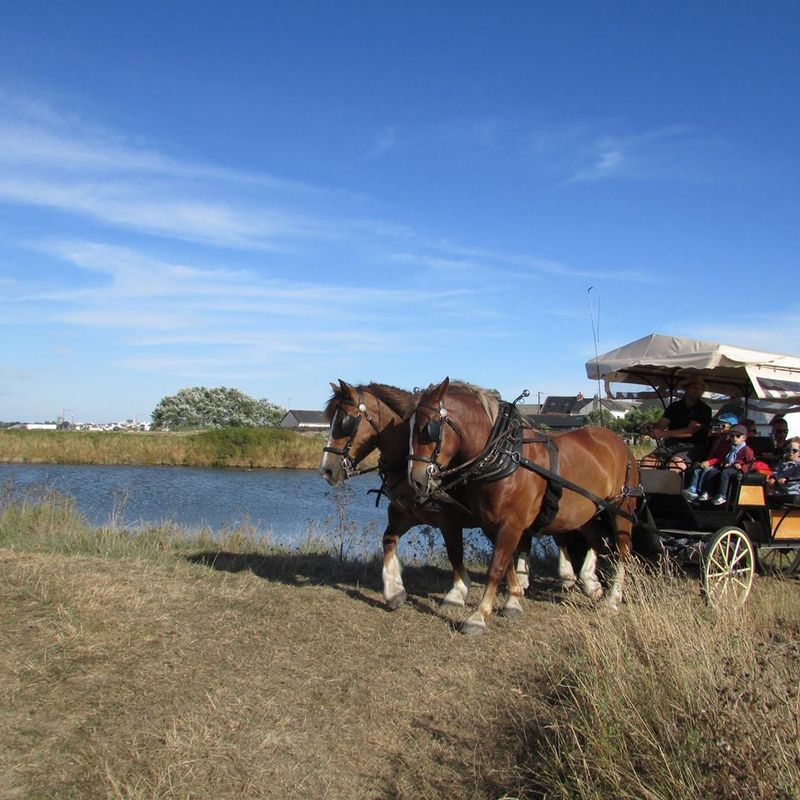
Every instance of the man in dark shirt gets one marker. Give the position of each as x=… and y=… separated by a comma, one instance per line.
x=682, y=432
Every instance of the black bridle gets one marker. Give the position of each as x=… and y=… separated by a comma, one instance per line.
x=349, y=427
x=434, y=430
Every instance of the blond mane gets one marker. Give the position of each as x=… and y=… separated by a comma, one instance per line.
x=489, y=398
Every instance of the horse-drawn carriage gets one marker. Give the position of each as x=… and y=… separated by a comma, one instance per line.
x=454, y=456
x=751, y=530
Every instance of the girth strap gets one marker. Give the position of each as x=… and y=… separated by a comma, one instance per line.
x=606, y=505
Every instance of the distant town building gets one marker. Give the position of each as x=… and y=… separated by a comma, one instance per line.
x=304, y=420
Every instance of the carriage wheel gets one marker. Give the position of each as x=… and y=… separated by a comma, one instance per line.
x=728, y=567
x=778, y=560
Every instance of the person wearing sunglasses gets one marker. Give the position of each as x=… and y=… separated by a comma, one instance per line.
x=732, y=459
x=779, y=432
x=785, y=480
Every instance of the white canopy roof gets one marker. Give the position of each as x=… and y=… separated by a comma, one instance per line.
x=664, y=362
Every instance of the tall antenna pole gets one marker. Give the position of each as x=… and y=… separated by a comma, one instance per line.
x=596, y=337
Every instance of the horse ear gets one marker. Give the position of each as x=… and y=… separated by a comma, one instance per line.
x=439, y=391
x=334, y=387
x=347, y=388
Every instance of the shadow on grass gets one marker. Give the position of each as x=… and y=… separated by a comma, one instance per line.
x=360, y=580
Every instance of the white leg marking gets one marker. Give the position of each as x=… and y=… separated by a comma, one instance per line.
x=393, y=590
x=523, y=571
x=565, y=571
x=614, y=597
x=591, y=586
x=457, y=596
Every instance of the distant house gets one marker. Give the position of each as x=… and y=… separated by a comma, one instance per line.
x=305, y=421
x=558, y=422
x=579, y=405
x=36, y=426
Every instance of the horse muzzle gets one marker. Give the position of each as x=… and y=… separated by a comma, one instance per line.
x=424, y=478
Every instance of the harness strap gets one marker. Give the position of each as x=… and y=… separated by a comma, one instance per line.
x=606, y=505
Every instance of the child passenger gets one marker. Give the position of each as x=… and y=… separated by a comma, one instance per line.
x=731, y=459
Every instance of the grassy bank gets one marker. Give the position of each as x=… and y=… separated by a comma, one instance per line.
x=151, y=664
x=228, y=447
x=269, y=448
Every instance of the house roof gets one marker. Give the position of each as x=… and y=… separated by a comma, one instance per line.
x=307, y=417
x=558, y=421
x=563, y=404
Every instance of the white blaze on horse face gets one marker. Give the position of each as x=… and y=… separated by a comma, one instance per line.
x=411, y=424
x=330, y=467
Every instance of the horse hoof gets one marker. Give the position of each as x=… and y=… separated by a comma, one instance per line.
x=597, y=593
x=568, y=586
x=511, y=612
x=474, y=626
x=453, y=599
x=396, y=601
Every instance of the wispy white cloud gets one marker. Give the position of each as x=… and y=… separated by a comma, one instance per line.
x=650, y=154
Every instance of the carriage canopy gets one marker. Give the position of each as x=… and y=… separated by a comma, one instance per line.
x=663, y=363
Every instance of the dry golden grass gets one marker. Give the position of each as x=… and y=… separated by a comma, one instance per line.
x=142, y=667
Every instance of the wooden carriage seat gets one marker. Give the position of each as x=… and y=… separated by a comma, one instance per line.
x=784, y=520
x=751, y=489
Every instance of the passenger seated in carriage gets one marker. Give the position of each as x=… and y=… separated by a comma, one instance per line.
x=732, y=459
x=682, y=432
x=780, y=430
x=784, y=482
x=720, y=429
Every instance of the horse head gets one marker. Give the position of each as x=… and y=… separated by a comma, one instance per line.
x=349, y=441
x=430, y=448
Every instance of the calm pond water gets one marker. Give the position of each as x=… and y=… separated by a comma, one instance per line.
x=284, y=505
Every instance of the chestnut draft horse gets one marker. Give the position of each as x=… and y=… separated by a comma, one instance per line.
x=370, y=416
x=591, y=468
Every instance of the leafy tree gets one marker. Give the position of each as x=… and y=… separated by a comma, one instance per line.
x=219, y=407
x=605, y=419
x=637, y=419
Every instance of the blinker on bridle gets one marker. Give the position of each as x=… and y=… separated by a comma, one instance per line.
x=434, y=431
x=348, y=426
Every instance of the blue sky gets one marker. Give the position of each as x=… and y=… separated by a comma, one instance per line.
x=272, y=196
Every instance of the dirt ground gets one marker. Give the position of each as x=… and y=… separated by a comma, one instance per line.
x=241, y=676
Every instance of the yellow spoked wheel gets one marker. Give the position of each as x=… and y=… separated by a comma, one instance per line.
x=778, y=560
x=728, y=567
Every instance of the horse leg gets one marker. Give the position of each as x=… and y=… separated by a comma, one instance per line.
x=512, y=608
x=454, y=542
x=565, y=571
x=522, y=560
x=393, y=590
x=588, y=572
x=623, y=529
x=504, y=544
